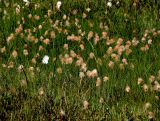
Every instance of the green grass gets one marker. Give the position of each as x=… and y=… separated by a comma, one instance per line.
x=40, y=92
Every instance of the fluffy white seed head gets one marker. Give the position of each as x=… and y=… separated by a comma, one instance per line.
x=109, y=4
x=45, y=59
x=59, y=3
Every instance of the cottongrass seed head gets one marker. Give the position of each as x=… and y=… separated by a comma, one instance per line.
x=45, y=59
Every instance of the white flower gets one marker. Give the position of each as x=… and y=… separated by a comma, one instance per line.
x=18, y=9
x=62, y=112
x=127, y=89
x=85, y=104
x=150, y=41
x=117, y=2
x=59, y=3
x=26, y=1
x=109, y=4
x=45, y=59
x=88, y=9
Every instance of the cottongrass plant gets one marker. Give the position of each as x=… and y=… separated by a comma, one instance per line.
x=79, y=60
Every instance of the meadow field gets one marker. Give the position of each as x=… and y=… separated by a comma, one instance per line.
x=80, y=60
